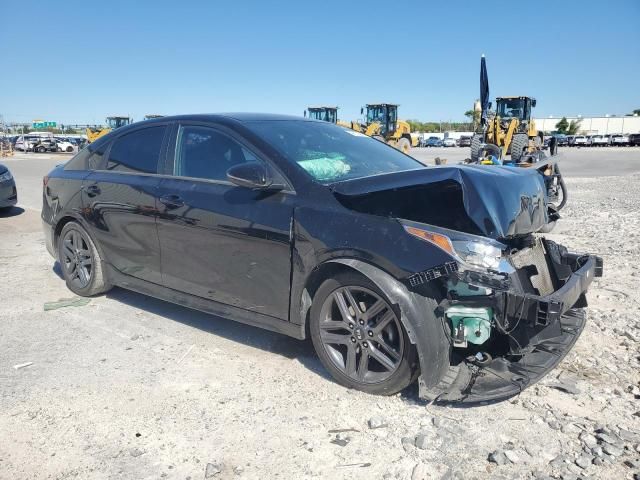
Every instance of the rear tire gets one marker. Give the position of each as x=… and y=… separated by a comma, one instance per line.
x=69, y=149
x=41, y=150
x=476, y=141
x=341, y=329
x=80, y=261
x=519, y=143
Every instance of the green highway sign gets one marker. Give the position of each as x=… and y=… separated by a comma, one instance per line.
x=43, y=124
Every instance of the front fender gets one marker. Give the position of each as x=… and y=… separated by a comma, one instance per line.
x=424, y=328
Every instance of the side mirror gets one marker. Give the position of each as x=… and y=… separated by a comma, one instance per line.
x=252, y=175
x=305, y=114
x=533, y=102
x=489, y=106
x=362, y=111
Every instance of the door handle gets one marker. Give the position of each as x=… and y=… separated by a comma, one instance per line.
x=92, y=190
x=171, y=201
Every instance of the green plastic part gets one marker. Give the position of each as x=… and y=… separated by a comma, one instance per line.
x=476, y=322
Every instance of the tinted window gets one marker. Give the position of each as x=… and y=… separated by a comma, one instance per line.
x=137, y=152
x=88, y=158
x=203, y=152
x=330, y=153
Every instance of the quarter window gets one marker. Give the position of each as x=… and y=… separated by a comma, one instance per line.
x=203, y=152
x=137, y=152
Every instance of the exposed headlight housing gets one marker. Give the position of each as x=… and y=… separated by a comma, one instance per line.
x=468, y=249
x=6, y=176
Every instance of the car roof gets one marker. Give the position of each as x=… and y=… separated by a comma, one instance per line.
x=238, y=116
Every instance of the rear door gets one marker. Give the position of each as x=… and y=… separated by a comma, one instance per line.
x=120, y=201
x=219, y=241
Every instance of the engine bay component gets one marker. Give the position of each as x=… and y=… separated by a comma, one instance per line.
x=469, y=324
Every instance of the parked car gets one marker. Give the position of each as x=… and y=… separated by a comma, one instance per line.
x=25, y=143
x=634, y=139
x=8, y=191
x=608, y=139
x=561, y=139
x=580, y=141
x=301, y=227
x=464, y=141
x=599, y=141
x=619, y=140
x=64, y=146
x=434, y=142
x=449, y=142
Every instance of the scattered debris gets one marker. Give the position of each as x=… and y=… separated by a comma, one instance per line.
x=376, y=422
x=185, y=354
x=22, y=365
x=66, y=302
x=422, y=442
x=212, y=469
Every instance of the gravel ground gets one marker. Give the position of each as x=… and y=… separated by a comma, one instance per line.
x=131, y=387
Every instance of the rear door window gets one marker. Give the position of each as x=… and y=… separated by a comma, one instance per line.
x=138, y=151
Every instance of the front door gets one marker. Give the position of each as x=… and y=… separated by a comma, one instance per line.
x=219, y=241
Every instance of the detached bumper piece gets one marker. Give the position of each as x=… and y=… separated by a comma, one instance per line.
x=533, y=332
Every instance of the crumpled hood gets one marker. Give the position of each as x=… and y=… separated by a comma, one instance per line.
x=500, y=202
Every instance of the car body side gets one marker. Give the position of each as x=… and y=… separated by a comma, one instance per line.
x=308, y=236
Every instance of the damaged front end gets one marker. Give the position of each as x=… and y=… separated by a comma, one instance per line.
x=511, y=310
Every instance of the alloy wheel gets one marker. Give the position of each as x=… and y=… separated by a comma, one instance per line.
x=76, y=258
x=361, y=334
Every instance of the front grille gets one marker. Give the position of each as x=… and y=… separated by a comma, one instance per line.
x=534, y=260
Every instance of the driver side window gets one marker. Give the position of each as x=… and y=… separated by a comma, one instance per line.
x=203, y=152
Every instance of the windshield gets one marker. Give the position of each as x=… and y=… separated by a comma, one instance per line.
x=330, y=153
x=511, y=108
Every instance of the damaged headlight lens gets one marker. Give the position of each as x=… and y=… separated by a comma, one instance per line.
x=466, y=248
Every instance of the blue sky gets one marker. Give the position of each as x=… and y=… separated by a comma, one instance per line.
x=80, y=61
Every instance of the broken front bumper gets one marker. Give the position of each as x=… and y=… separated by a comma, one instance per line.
x=538, y=329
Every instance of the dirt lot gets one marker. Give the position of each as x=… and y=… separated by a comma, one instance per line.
x=131, y=387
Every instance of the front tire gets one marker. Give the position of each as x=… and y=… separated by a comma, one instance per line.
x=404, y=145
x=80, y=260
x=476, y=142
x=359, y=337
x=518, y=145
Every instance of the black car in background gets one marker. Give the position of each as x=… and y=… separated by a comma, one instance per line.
x=8, y=191
x=464, y=141
x=309, y=229
x=634, y=139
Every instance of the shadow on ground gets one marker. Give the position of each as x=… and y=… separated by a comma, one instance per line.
x=301, y=350
x=10, y=212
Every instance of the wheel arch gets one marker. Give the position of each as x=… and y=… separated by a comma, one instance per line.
x=67, y=218
x=423, y=328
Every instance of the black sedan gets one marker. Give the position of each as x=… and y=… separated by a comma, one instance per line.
x=395, y=270
x=8, y=191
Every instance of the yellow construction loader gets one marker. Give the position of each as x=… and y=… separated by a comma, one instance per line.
x=381, y=122
x=511, y=129
x=94, y=133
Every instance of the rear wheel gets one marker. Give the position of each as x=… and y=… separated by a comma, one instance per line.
x=359, y=337
x=69, y=149
x=519, y=143
x=81, y=262
x=41, y=149
x=476, y=142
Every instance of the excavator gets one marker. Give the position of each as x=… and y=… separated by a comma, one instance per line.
x=381, y=122
x=94, y=133
x=509, y=137
x=323, y=112
x=511, y=129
